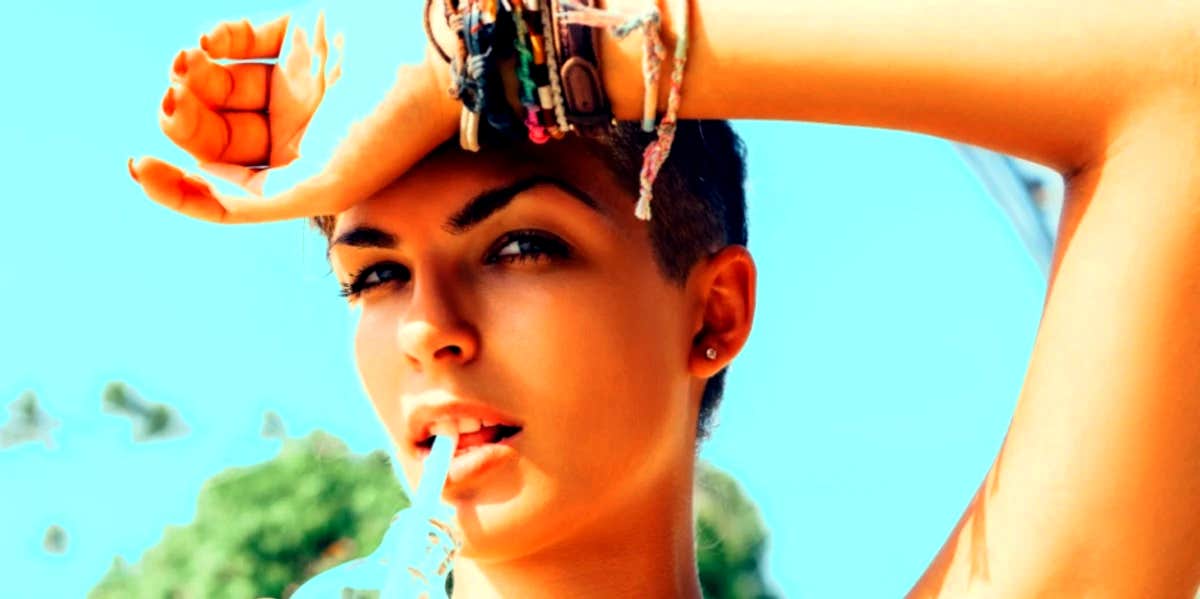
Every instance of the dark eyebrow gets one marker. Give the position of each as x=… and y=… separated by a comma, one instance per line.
x=492, y=201
x=476, y=211
x=364, y=237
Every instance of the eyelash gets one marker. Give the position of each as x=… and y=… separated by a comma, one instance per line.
x=545, y=246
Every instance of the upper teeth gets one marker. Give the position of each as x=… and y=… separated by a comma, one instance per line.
x=457, y=426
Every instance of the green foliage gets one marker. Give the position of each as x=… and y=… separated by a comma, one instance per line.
x=27, y=423
x=262, y=530
x=55, y=540
x=259, y=529
x=116, y=397
x=272, y=427
x=730, y=539
x=152, y=421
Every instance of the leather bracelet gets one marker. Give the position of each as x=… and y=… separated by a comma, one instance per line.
x=587, y=106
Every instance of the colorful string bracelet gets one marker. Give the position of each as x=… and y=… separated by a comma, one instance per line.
x=650, y=23
x=536, y=33
x=656, y=153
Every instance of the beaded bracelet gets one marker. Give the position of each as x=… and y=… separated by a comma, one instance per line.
x=556, y=93
x=535, y=92
x=475, y=74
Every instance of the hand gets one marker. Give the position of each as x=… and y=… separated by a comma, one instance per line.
x=241, y=120
x=236, y=115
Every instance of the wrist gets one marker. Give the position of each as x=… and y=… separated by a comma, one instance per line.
x=621, y=60
x=440, y=40
x=434, y=78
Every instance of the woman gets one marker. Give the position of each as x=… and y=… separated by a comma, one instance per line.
x=1094, y=490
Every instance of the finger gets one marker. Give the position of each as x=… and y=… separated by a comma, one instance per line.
x=240, y=39
x=235, y=137
x=191, y=195
x=237, y=86
x=320, y=45
x=299, y=60
x=250, y=179
x=168, y=185
x=316, y=196
x=336, y=72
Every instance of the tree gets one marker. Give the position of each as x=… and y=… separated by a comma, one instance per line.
x=261, y=528
x=259, y=531
x=730, y=538
x=55, y=540
x=28, y=422
x=151, y=421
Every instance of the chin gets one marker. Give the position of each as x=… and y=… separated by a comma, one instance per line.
x=510, y=518
x=493, y=530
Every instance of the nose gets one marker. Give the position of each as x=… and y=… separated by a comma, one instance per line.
x=434, y=332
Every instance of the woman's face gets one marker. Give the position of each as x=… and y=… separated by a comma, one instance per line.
x=522, y=292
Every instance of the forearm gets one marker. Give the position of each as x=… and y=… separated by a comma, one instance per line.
x=1045, y=80
x=1095, y=489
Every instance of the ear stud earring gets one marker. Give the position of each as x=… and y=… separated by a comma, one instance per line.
x=711, y=353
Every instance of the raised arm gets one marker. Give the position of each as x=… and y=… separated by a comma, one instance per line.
x=1046, y=80
x=1096, y=489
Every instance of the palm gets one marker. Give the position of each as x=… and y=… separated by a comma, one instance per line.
x=241, y=102
x=296, y=90
x=237, y=117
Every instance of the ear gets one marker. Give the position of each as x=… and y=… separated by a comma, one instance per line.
x=725, y=286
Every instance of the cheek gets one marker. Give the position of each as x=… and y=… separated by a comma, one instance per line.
x=376, y=356
x=602, y=356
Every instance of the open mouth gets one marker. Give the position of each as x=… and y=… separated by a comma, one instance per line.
x=468, y=439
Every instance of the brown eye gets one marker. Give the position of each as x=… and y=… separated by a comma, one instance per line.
x=527, y=245
x=376, y=275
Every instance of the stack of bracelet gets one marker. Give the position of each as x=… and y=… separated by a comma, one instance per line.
x=554, y=44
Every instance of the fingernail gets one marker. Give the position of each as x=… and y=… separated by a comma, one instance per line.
x=180, y=67
x=132, y=172
x=168, y=103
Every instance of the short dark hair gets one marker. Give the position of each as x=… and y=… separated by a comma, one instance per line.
x=699, y=205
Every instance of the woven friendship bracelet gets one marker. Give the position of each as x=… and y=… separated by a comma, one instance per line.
x=656, y=153
x=649, y=22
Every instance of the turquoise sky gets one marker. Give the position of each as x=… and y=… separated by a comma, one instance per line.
x=897, y=312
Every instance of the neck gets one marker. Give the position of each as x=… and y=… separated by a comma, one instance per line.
x=645, y=548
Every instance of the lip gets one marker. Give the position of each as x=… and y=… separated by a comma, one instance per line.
x=424, y=415
x=472, y=462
